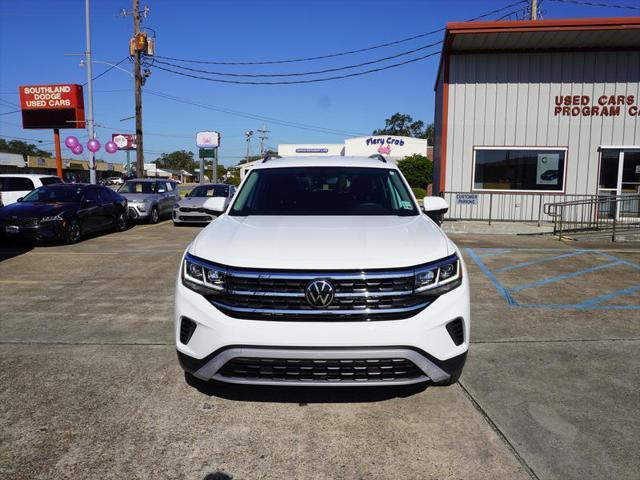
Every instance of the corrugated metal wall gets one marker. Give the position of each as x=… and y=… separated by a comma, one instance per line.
x=508, y=99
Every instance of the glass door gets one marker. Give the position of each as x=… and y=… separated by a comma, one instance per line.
x=620, y=175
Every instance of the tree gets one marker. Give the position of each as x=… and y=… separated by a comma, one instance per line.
x=405, y=126
x=23, y=148
x=417, y=169
x=178, y=160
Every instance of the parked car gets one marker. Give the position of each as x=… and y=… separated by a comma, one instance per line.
x=16, y=185
x=191, y=209
x=64, y=212
x=113, y=181
x=323, y=271
x=150, y=198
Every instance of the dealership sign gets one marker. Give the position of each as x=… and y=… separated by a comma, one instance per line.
x=208, y=139
x=602, y=106
x=124, y=141
x=52, y=106
x=312, y=150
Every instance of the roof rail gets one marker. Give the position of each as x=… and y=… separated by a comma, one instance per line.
x=379, y=157
x=269, y=157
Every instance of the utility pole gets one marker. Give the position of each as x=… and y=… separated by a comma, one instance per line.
x=248, y=134
x=263, y=136
x=90, y=122
x=138, y=92
x=533, y=9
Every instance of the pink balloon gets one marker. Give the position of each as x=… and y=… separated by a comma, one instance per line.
x=111, y=147
x=93, y=145
x=71, y=142
x=77, y=149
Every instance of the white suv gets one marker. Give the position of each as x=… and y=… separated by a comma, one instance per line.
x=16, y=185
x=323, y=271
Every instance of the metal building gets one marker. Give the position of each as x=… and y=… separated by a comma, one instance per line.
x=531, y=112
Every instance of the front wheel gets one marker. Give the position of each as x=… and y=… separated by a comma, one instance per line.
x=121, y=221
x=154, y=215
x=73, y=232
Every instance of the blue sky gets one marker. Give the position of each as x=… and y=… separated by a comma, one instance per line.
x=35, y=35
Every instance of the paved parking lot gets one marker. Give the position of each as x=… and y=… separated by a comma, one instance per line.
x=92, y=388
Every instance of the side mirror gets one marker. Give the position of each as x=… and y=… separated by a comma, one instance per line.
x=435, y=208
x=215, y=204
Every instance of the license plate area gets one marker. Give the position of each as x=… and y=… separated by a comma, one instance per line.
x=12, y=229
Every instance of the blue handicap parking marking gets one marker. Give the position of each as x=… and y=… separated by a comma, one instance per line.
x=594, y=302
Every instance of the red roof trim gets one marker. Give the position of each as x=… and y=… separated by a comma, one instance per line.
x=567, y=24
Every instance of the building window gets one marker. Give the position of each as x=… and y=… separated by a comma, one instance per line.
x=528, y=169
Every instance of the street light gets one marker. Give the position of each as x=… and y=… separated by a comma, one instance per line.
x=113, y=65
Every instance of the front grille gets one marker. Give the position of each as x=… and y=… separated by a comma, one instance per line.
x=22, y=222
x=358, y=296
x=189, y=209
x=195, y=218
x=456, y=331
x=321, y=371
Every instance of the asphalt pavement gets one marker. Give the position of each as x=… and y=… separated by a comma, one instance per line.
x=92, y=387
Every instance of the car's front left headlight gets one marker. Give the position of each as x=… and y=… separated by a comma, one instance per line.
x=203, y=277
x=439, y=277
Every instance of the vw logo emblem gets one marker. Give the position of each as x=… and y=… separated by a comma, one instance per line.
x=319, y=293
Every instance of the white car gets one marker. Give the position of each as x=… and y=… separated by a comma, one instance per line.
x=16, y=185
x=114, y=181
x=323, y=271
x=192, y=208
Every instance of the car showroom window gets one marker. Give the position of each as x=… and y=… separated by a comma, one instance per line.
x=519, y=169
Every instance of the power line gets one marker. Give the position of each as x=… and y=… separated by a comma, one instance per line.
x=339, y=54
x=297, y=74
x=597, y=4
x=9, y=113
x=292, y=82
x=8, y=103
x=108, y=70
x=251, y=116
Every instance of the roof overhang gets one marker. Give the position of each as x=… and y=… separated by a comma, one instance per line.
x=541, y=35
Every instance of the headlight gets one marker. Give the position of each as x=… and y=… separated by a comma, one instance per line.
x=56, y=218
x=439, y=277
x=140, y=206
x=203, y=277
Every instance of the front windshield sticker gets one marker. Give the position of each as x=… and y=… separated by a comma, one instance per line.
x=406, y=205
x=138, y=188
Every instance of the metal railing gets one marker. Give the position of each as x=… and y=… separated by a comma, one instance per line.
x=604, y=213
x=504, y=207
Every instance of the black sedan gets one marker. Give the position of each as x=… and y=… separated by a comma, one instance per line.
x=63, y=212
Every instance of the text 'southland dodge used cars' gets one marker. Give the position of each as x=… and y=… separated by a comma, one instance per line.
x=323, y=271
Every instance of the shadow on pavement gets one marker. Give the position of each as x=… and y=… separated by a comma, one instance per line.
x=13, y=249
x=264, y=393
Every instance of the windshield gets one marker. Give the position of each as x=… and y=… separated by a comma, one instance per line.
x=324, y=191
x=53, y=195
x=138, y=187
x=210, y=191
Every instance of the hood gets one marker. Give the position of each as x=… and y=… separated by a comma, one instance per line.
x=192, y=202
x=139, y=197
x=23, y=209
x=321, y=242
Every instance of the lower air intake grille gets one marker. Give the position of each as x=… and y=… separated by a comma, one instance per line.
x=456, y=331
x=187, y=327
x=321, y=371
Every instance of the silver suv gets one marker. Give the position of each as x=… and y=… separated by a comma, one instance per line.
x=150, y=198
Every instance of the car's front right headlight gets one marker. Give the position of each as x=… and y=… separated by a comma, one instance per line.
x=439, y=277
x=203, y=277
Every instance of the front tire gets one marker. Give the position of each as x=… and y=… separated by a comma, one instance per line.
x=73, y=232
x=154, y=215
x=121, y=221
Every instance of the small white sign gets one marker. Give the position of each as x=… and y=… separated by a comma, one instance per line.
x=637, y=168
x=467, y=199
x=207, y=139
x=548, y=168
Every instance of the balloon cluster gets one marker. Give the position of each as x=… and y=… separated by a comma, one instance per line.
x=93, y=145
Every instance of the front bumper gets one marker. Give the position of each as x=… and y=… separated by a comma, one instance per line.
x=422, y=339
x=42, y=232
x=135, y=213
x=191, y=217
